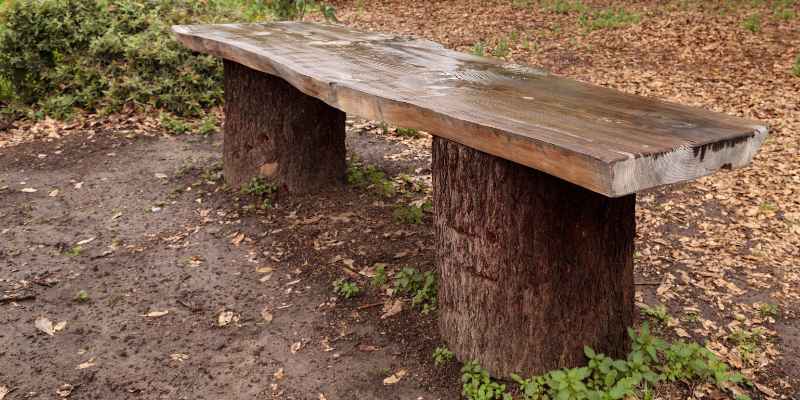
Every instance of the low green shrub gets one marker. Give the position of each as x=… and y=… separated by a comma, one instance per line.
x=422, y=287
x=650, y=361
x=99, y=55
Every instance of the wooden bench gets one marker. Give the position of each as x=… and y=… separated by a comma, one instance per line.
x=534, y=175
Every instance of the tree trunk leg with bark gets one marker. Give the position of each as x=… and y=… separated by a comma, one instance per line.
x=532, y=268
x=275, y=131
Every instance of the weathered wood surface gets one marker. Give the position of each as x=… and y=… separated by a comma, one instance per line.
x=601, y=139
x=532, y=268
x=275, y=131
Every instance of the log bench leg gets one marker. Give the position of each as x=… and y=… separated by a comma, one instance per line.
x=532, y=268
x=275, y=131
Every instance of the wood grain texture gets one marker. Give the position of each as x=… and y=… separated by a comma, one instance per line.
x=532, y=268
x=601, y=139
x=273, y=130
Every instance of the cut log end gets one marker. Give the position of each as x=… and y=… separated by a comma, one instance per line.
x=532, y=268
x=274, y=131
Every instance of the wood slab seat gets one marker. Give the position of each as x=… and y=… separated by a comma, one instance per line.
x=534, y=175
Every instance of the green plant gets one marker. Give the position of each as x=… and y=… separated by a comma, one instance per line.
x=477, y=385
x=766, y=310
x=421, y=286
x=82, y=296
x=345, y=288
x=369, y=176
x=257, y=186
x=407, y=132
x=650, y=361
x=608, y=19
x=752, y=23
x=172, y=125
x=796, y=67
x=567, y=7
x=747, y=342
x=380, y=277
x=65, y=54
x=659, y=313
x=208, y=125
x=784, y=9
x=74, y=251
x=442, y=355
x=478, y=49
x=412, y=213
x=501, y=49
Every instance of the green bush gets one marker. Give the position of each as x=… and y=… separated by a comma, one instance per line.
x=101, y=55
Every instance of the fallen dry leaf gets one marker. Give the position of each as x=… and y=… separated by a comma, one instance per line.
x=87, y=364
x=86, y=241
x=180, y=357
x=266, y=314
x=392, y=308
x=237, y=239
x=225, y=318
x=296, y=347
x=4, y=391
x=156, y=314
x=65, y=390
x=278, y=375
x=767, y=391
x=396, y=377
x=45, y=325
x=367, y=348
x=264, y=270
x=28, y=190
x=53, y=193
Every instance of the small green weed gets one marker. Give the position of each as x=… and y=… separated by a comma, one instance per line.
x=172, y=125
x=784, y=10
x=747, y=342
x=659, y=313
x=478, y=49
x=567, y=7
x=380, y=277
x=412, y=214
x=608, y=19
x=441, y=356
x=369, y=176
x=345, y=288
x=752, y=23
x=766, y=310
x=407, y=132
x=421, y=286
x=209, y=125
x=82, y=296
x=501, y=49
x=74, y=251
x=477, y=385
x=796, y=67
x=258, y=187
x=521, y=3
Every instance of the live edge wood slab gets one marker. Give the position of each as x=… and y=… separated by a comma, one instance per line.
x=534, y=175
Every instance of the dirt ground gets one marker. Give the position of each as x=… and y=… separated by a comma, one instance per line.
x=194, y=293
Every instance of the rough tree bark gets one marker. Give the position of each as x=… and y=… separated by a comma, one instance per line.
x=532, y=268
x=275, y=131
